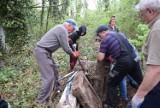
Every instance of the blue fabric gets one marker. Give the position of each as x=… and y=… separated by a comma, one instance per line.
x=73, y=23
x=69, y=82
x=123, y=89
x=123, y=86
x=131, y=80
x=129, y=105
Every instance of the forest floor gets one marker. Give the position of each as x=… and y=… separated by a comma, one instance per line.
x=130, y=91
x=122, y=104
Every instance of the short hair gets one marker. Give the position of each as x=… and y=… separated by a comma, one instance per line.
x=113, y=17
x=144, y=4
x=111, y=20
x=101, y=29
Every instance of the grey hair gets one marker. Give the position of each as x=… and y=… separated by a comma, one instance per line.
x=144, y=4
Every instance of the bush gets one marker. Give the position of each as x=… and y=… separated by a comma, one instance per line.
x=7, y=75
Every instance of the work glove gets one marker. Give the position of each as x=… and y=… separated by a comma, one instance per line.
x=74, y=47
x=76, y=54
x=135, y=102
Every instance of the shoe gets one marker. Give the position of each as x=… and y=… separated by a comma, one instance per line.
x=47, y=103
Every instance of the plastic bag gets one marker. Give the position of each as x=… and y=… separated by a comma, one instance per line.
x=67, y=100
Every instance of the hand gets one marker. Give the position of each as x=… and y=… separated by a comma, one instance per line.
x=135, y=102
x=76, y=54
x=70, y=40
x=110, y=59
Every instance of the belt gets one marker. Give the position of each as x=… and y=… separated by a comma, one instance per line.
x=45, y=49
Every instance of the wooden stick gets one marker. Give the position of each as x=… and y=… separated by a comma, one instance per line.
x=66, y=75
x=82, y=66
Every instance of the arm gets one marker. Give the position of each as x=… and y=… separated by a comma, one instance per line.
x=151, y=51
x=151, y=79
x=101, y=56
x=102, y=49
x=152, y=74
x=63, y=40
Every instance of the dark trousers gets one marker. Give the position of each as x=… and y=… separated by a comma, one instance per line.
x=122, y=67
x=151, y=101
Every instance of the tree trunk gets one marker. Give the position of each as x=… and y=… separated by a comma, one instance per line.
x=64, y=7
x=99, y=79
x=2, y=40
x=49, y=9
x=84, y=92
x=42, y=16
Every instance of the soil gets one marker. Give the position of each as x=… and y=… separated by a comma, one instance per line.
x=131, y=91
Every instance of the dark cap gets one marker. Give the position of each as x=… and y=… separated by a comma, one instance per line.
x=73, y=23
x=101, y=29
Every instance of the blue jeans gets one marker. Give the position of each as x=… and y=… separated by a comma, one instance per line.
x=131, y=80
x=123, y=86
x=123, y=89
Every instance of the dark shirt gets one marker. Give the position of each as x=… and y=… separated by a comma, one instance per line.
x=115, y=29
x=74, y=37
x=116, y=47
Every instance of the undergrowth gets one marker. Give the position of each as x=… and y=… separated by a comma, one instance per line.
x=20, y=79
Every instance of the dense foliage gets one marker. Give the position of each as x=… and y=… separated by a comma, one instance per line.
x=25, y=22
x=13, y=18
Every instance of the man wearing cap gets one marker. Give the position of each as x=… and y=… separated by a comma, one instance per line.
x=116, y=47
x=55, y=38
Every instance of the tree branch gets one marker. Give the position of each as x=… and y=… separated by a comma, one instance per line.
x=45, y=6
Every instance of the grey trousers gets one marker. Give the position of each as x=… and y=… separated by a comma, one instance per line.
x=49, y=73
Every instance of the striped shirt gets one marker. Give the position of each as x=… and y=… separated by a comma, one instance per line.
x=110, y=46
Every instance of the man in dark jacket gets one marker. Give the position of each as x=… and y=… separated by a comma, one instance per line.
x=116, y=47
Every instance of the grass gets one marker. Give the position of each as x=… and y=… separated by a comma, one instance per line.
x=20, y=78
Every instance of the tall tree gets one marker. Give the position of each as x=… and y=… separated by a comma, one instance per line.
x=106, y=4
x=48, y=13
x=13, y=14
x=55, y=11
x=42, y=15
x=64, y=7
x=2, y=41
